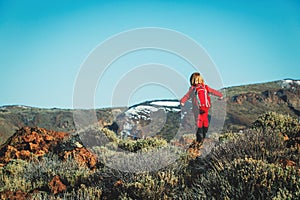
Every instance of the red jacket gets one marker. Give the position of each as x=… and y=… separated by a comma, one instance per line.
x=203, y=99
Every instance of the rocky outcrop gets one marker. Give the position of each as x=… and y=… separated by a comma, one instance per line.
x=31, y=143
x=249, y=97
x=82, y=156
x=28, y=143
x=273, y=97
x=284, y=92
x=56, y=186
x=57, y=119
x=245, y=103
x=17, y=195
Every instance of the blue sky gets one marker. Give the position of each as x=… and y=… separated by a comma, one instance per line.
x=44, y=43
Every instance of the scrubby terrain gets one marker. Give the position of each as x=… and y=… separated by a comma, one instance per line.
x=243, y=105
x=246, y=102
x=261, y=163
x=15, y=117
x=255, y=156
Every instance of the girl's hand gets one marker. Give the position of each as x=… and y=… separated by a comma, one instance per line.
x=182, y=104
x=220, y=98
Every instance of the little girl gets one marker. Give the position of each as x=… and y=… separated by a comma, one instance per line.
x=199, y=93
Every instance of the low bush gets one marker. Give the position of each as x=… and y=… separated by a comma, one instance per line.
x=142, y=144
x=249, y=167
x=276, y=122
x=255, y=164
x=250, y=179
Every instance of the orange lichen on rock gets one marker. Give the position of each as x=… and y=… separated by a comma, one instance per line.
x=56, y=186
x=82, y=156
x=23, y=154
x=17, y=195
x=29, y=142
x=49, y=138
x=34, y=147
x=40, y=153
x=8, y=154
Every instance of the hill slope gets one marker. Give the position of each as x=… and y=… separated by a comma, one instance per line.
x=36, y=163
x=244, y=103
x=14, y=117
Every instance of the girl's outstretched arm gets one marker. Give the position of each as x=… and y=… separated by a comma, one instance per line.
x=186, y=96
x=215, y=92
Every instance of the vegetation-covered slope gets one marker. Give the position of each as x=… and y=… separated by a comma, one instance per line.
x=260, y=163
x=245, y=103
x=13, y=118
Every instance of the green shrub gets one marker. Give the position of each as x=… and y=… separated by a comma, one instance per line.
x=12, y=176
x=110, y=135
x=248, y=167
x=285, y=125
x=163, y=184
x=268, y=146
x=142, y=144
x=280, y=123
x=244, y=165
x=228, y=136
x=81, y=193
x=254, y=179
x=42, y=172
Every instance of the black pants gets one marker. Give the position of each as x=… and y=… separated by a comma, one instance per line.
x=201, y=134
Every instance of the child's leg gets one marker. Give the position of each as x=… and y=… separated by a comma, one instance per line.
x=200, y=128
x=205, y=129
x=199, y=134
x=205, y=123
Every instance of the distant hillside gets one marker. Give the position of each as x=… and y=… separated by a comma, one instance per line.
x=15, y=117
x=244, y=104
x=96, y=163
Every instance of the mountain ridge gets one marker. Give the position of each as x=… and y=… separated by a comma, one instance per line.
x=243, y=104
x=96, y=163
